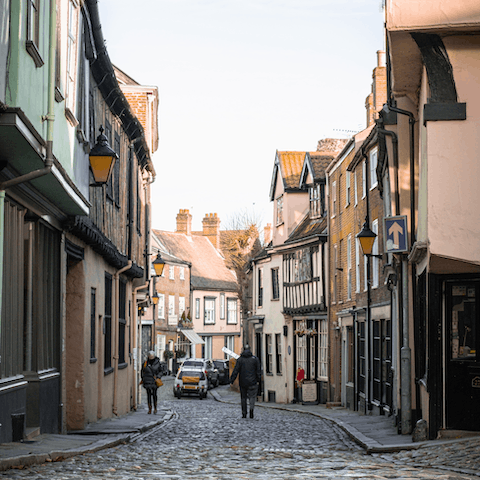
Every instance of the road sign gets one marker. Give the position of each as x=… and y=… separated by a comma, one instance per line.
x=396, y=234
x=229, y=352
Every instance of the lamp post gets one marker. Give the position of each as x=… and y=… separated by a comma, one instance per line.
x=158, y=265
x=102, y=159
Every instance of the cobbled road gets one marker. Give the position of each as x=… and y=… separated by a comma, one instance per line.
x=209, y=440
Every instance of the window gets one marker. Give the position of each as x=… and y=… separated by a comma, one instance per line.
x=209, y=316
x=322, y=350
x=107, y=322
x=222, y=306
x=182, y=273
x=365, y=273
x=161, y=305
x=269, y=354
x=181, y=305
x=93, y=314
x=315, y=201
x=171, y=272
x=275, y=284
x=357, y=265
x=33, y=32
x=108, y=134
x=347, y=189
x=230, y=344
x=280, y=210
x=208, y=347
x=278, y=352
x=260, y=287
x=364, y=179
x=375, y=260
x=355, y=193
x=349, y=267
x=334, y=198
x=116, y=171
x=335, y=273
x=72, y=60
x=232, y=311
x=197, y=308
x=171, y=305
x=122, y=322
x=373, y=168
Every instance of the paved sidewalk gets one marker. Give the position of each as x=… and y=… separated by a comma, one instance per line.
x=97, y=436
x=375, y=433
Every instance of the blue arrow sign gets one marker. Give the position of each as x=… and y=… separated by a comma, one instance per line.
x=396, y=234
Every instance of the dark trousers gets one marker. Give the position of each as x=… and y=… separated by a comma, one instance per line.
x=250, y=393
x=152, y=395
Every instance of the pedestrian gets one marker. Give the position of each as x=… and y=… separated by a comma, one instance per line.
x=249, y=375
x=151, y=371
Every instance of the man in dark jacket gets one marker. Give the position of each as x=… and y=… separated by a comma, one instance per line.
x=249, y=374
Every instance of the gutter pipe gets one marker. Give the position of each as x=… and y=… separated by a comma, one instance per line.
x=50, y=118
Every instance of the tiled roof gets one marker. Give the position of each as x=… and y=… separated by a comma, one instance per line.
x=319, y=162
x=208, y=271
x=308, y=227
x=291, y=164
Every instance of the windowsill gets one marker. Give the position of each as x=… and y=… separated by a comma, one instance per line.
x=278, y=224
x=373, y=187
x=32, y=50
x=108, y=371
x=232, y=323
x=123, y=365
x=279, y=374
x=59, y=97
x=93, y=360
x=268, y=374
x=71, y=117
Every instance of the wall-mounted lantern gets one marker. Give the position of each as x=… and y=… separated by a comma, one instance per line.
x=158, y=265
x=102, y=159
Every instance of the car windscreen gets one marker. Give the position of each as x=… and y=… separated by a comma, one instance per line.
x=220, y=365
x=191, y=373
x=191, y=363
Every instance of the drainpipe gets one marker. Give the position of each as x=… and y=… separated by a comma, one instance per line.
x=50, y=118
x=115, y=316
x=136, y=362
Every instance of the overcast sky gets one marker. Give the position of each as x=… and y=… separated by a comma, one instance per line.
x=238, y=80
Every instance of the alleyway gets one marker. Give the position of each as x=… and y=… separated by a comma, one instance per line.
x=208, y=439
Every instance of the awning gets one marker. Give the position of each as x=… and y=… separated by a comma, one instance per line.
x=193, y=337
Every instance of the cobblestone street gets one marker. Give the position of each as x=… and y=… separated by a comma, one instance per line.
x=208, y=439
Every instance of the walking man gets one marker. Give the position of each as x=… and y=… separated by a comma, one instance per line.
x=248, y=370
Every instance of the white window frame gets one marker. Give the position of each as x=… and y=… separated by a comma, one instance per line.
x=322, y=350
x=232, y=311
x=334, y=199
x=365, y=271
x=269, y=353
x=209, y=311
x=181, y=305
x=71, y=67
x=279, y=206
x=349, y=267
x=171, y=305
x=171, y=272
x=208, y=347
x=335, y=273
x=197, y=308
x=161, y=306
x=357, y=265
x=182, y=273
x=347, y=188
x=222, y=306
x=375, y=260
x=355, y=189
x=373, y=157
x=364, y=179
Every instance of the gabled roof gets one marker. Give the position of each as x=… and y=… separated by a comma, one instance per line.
x=209, y=271
x=289, y=164
x=308, y=228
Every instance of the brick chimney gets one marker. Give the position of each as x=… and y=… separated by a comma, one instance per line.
x=184, y=222
x=378, y=97
x=267, y=234
x=211, y=229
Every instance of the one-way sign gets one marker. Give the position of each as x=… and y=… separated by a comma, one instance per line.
x=396, y=238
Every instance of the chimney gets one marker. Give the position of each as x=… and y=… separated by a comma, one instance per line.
x=211, y=229
x=267, y=234
x=375, y=101
x=184, y=222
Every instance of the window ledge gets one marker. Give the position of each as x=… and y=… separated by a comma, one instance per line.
x=268, y=374
x=93, y=360
x=71, y=117
x=34, y=53
x=59, y=97
x=108, y=371
x=123, y=365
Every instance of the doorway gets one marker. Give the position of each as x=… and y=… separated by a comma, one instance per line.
x=462, y=370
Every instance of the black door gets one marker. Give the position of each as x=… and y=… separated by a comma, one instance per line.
x=462, y=355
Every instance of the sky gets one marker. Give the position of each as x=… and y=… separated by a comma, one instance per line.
x=239, y=80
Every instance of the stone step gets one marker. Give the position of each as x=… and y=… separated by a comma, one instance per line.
x=32, y=432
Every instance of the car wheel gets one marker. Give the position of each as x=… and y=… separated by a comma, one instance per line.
x=217, y=383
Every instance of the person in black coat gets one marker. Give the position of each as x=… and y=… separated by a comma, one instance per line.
x=249, y=375
x=150, y=371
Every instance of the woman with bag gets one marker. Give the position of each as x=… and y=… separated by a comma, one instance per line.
x=151, y=379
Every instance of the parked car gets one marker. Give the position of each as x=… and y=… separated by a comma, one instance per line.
x=223, y=367
x=208, y=367
x=191, y=380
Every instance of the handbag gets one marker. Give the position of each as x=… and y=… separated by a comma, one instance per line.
x=158, y=382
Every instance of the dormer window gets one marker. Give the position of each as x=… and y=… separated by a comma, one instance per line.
x=315, y=201
x=280, y=210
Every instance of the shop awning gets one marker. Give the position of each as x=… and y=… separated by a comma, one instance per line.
x=193, y=337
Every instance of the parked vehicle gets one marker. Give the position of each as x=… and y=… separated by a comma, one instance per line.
x=223, y=367
x=207, y=366
x=191, y=380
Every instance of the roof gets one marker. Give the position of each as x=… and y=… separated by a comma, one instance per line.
x=290, y=166
x=209, y=271
x=308, y=227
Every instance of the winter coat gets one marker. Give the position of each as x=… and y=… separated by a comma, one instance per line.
x=248, y=370
x=150, y=370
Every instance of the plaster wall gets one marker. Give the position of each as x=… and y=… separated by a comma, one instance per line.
x=453, y=167
x=4, y=42
x=428, y=14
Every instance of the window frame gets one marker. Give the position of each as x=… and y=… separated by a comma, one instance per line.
x=375, y=262
x=197, y=308
x=32, y=44
x=373, y=161
x=211, y=311
x=278, y=354
x=334, y=199
x=161, y=306
x=268, y=354
x=222, y=306
x=347, y=188
x=275, y=283
x=231, y=301
x=171, y=272
x=279, y=207
x=260, y=288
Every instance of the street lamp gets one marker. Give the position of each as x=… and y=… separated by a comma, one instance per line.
x=155, y=298
x=367, y=240
x=102, y=159
x=158, y=265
